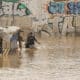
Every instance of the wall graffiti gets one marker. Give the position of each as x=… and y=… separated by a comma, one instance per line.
x=56, y=7
x=59, y=7
x=21, y=8
x=6, y=8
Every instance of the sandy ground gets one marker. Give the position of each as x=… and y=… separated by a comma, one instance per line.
x=56, y=58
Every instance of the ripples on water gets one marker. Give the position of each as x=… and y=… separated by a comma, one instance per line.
x=54, y=59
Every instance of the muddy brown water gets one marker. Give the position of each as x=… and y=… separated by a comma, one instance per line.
x=56, y=58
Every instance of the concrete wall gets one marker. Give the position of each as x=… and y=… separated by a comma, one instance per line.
x=21, y=21
x=38, y=10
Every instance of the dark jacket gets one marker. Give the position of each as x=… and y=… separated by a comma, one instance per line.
x=30, y=41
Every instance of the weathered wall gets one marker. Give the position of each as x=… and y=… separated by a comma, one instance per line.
x=21, y=21
x=39, y=9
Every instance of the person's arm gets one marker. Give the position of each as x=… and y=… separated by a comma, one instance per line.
x=36, y=40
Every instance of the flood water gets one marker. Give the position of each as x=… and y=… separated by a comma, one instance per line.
x=56, y=58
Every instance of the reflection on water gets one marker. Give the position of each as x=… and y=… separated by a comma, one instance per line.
x=10, y=61
x=1, y=62
x=30, y=53
x=55, y=58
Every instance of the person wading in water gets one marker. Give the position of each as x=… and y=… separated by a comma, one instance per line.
x=30, y=42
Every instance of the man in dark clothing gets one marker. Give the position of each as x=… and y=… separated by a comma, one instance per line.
x=31, y=40
x=20, y=39
x=1, y=40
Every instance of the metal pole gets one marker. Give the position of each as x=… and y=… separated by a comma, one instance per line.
x=75, y=2
x=13, y=13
